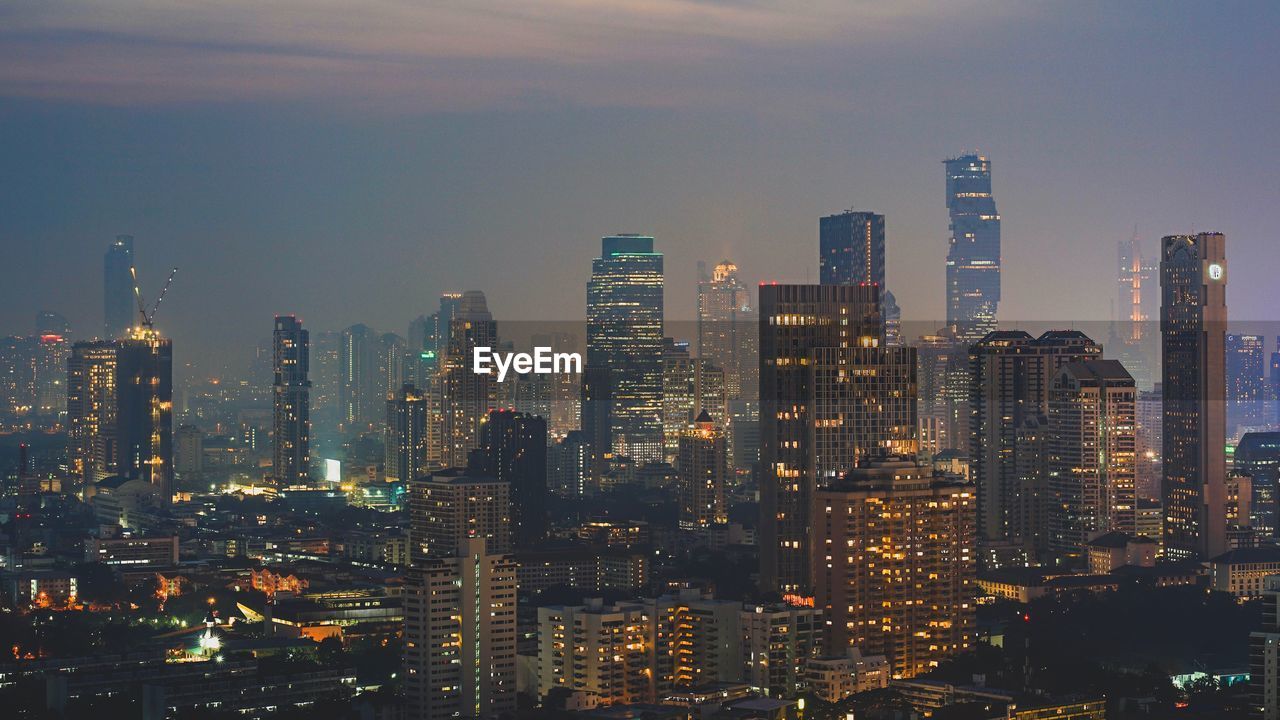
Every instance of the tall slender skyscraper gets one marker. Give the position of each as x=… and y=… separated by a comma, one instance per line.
x=624, y=349
x=91, y=413
x=1246, y=382
x=703, y=465
x=405, y=446
x=466, y=396
x=973, y=261
x=144, y=410
x=795, y=321
x=291, y=411
x=1193, y=323
x=727, y=328
x=119, y=308
x=358, y=396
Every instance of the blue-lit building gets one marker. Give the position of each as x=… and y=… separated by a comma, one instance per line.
x=973, y=260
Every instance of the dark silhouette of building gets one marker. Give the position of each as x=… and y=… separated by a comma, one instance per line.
x=514, y=446
x=291, y=397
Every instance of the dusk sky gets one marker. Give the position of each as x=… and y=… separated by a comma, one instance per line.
x=348, y=161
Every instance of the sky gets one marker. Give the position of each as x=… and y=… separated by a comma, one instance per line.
x=348, y=162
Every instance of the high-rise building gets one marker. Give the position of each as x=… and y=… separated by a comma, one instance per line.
x=405, y=444
x=18, y=362
x=863, y=403
x=973, y=260
x=449, y=506
x=1137, y=292
x=1010, y=373
x=1091, y=454
x=689, y=386
x=188, y=453
x=795, y=321
x=1246, y=382
x=608, y=651
x=466, y=396
x=119, y=307
x=514, y=446
x=895, y=565
x=703, y=466
x=359, y=397
x=460, y=635
x=943, y=392
x=1258, y=456
x=624, y=350
x=291, y=410
x=91, y=412
x=851, y=249
x=144, y=410
x=569, y=465
x=1264, y=655
x=1193, y=321
x=1275, y=381
x=727, y=330
x=1150, y=442
x=778, y=641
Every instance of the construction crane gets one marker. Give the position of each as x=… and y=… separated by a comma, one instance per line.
x=147, y=319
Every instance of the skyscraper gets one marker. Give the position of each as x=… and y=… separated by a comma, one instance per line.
x=894, y=565
x=466, y=396
x=851, y=249
x=1246, y=382
x=863, y=404
x=359, y=397
x=1010, y=373
x=144, y=410
x=796, y=320
x=727, y=328
x=1091, y=454
x=515, y=451
x=449, y=506
x=291, y=411
x=973, y=260
x=405, y=445
x=460, y=634
x=91, y=412
x=624, y=349
x=703, y=466
x=1193, y=322
x=119, y=308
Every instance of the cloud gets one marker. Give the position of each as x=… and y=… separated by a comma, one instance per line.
x=452, y=55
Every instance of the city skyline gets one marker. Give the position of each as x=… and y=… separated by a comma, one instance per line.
x=710, y=175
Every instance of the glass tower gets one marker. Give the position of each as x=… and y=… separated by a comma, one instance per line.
x=118, y=306
x=973, y=261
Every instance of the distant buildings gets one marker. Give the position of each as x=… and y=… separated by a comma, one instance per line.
x=973, y=260
x=851, y=249
x=895, y=565
x=291, y=409
x=727, y=330
x=514, y=446
x=1246, y=391
x=622, y=384
x=405, y=435
x=119, y=307
x=466, y=397
x=1193, y=321
x=91, y=412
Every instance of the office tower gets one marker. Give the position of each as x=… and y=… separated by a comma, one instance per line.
x=1246, y=383
x=144, y=410
x=895, y=567
x=359, y=397
x=689, y=386
x=119, y=307
x=605, y=650
x=466, y=396
x=449, y=506
x=727, y=330
x=943, y=402
x=851, y=249
x=796, y=320
x=1091, y=451
x=515, y=451
x=291, y=410
x=703, y=466
x=91, y=412
x=568, y=466
x=1010, y=373
x=1136, y=294
x=624, y=349
x=1193, y=321
x=973, y=259
x=778, y=641
x=863, y=403
x=1150, y=442
x=405, y=444
x=460, y=635
x=1258, y=455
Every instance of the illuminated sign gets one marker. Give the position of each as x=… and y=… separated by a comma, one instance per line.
x=1215, y=271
